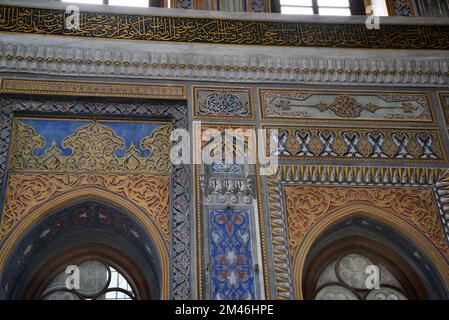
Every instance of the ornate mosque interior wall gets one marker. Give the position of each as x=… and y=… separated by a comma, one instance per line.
x=357, y=120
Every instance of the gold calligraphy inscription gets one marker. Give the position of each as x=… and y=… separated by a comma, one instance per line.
x=305, y=205
x=26, y=190
x=223, y=31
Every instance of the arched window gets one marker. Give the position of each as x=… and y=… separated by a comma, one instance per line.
x=89, y=272
x=344, y=270
x=98, y=280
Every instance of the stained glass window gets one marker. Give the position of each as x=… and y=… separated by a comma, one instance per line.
x=346, y=277
x=98, y=280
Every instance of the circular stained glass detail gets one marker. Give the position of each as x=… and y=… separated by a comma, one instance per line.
x=385, y=293
x=98, y=280
x=94, y=277
x=345, y=279
x=335, y=292
x=116, y=295
x=61, y=295
x=351, y=270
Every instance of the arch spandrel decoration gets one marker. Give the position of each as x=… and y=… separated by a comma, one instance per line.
x=134, y=173
x=26, y=192
x=307, y=206
x=407, y=199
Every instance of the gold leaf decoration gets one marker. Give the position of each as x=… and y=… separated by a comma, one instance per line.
x=316, y=147
x=93, y=149
x=353, y=143
x=27, y=190
x=414, y=148
x=390, y=149
x=305, y=205
x=365, y=147
x=24, y=141
x=339, y=146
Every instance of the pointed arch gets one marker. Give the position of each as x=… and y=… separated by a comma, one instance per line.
x=91, y=193
x=374, y=213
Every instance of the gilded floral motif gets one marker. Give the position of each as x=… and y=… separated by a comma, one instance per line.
x=329, y=105
x=223, y=102
x=346, y=107
x=351, y=144
x=26, y=190
x=93, y=147
x=307, y=204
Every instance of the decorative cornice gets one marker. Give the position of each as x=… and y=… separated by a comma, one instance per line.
x=244, y=67
x=360, y=175
x=223, y=31
x=355, y=144
x=92, y=89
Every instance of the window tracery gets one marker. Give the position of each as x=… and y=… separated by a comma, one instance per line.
x=346, y=278
x=98, y=280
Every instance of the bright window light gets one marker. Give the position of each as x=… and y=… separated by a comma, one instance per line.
x=380, y=7
x=322, y=7
x=335, y=11
x=296, y=10
x=301, y=3
x=129, y=3
x=333, y=3
x=85, y=1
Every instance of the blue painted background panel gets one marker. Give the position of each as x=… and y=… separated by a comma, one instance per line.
x=232, y=274
x=56, y=130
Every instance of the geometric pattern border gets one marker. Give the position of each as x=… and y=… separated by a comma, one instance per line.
x=92, y=89
x=349, y=144
x=414, y=107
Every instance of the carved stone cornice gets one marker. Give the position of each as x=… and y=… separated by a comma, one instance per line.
x=171, y=63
